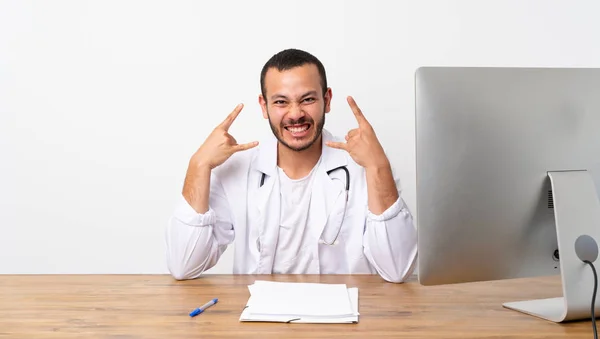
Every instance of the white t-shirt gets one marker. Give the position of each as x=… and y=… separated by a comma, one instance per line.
x=292, y=255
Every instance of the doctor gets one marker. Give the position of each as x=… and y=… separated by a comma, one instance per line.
x=301, y=201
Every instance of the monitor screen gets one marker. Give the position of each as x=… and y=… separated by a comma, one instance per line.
x=486, y=139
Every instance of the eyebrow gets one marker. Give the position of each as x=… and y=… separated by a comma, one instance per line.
x=311, y=93
x=281, y=96
x=278, y=96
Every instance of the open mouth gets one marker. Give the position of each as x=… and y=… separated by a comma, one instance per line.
x=298, y=131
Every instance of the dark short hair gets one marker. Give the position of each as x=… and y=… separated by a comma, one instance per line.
x=291, y=58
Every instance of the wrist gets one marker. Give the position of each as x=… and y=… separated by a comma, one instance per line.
x=197, y=175
x=379, y=166
x=204, y=167
x=200, y=163
x=381, y=187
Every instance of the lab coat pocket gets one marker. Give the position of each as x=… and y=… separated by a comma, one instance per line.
x=335, y=222
x=333, y=246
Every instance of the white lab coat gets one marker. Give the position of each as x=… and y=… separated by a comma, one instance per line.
x=247, y=215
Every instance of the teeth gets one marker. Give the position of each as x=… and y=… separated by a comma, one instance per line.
x=298, y=129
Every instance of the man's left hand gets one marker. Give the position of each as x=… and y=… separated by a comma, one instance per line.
x=362, y=143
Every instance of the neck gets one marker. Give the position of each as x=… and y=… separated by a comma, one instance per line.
x=296, y=164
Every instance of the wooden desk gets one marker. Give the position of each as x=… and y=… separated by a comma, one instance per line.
x=143, y=306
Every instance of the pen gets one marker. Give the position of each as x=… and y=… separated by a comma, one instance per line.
x=203, y=307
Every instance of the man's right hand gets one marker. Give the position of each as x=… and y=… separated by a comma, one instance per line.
x=217, y=148
x=220, y=145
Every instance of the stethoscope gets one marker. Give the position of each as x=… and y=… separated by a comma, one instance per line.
x=339, y=228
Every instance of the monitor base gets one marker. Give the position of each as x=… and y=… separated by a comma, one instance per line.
x=552, y=309
x=577, y=213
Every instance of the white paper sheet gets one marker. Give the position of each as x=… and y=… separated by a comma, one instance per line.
x=301, y=303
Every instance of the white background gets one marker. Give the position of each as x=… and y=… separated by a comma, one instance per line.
x=103, y=102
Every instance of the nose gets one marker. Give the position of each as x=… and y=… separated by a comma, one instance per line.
x=295, y=112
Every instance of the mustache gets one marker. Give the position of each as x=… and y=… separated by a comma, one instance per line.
x=301, y=120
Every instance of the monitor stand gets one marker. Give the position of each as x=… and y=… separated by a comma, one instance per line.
x=576, y=212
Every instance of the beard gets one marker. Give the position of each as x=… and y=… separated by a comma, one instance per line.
x=278, y=132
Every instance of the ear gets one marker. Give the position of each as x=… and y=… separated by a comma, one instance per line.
x=263, y=106
x=327, y=98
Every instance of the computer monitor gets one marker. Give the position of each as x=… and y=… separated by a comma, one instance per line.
x=508, y=178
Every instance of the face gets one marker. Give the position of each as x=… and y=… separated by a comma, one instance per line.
x=295, y=106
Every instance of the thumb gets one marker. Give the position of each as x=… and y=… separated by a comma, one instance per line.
x=338, y=145
x=243, y=147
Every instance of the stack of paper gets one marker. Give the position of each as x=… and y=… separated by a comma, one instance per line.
x=301, y=303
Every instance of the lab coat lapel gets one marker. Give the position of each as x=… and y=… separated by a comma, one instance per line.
x=267, y=204
x=327, y=194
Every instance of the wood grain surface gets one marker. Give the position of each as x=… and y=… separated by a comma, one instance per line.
x=156, y=306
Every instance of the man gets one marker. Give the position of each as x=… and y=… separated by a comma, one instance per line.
x=302, y=202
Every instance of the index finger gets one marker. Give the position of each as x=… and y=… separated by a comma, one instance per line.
x=231, y=117
x=357, y=112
